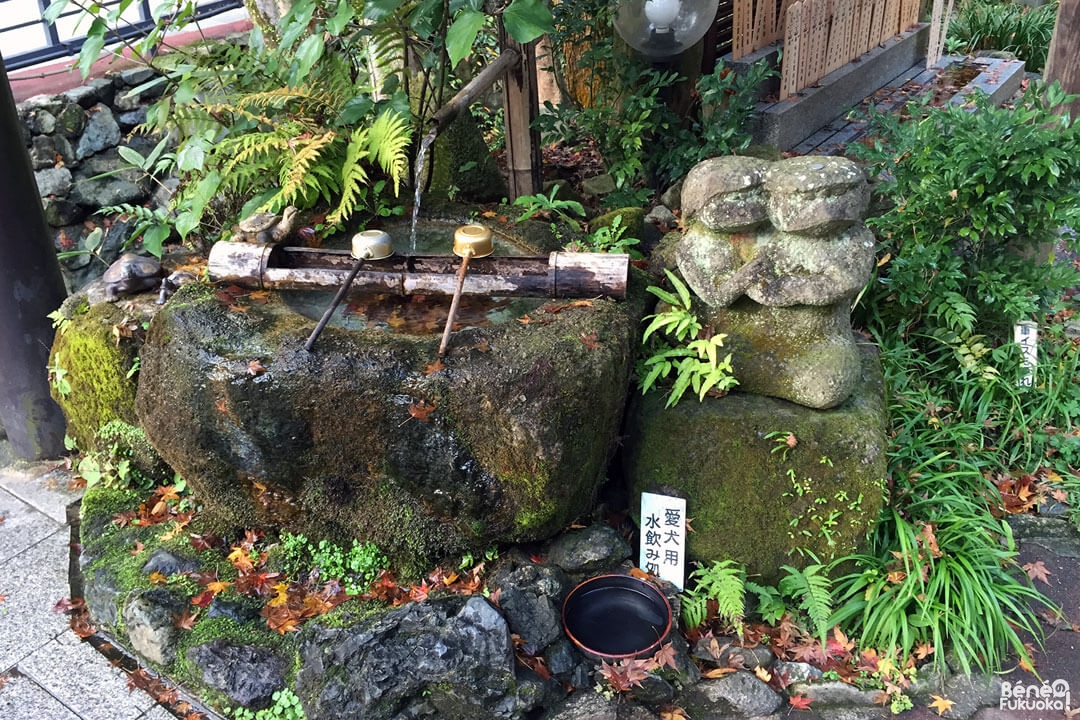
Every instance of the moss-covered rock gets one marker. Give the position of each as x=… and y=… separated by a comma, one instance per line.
x=362, y=439
x=97, y=348
x=755, y=495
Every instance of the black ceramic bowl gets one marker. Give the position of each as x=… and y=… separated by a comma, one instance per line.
x=614, y=617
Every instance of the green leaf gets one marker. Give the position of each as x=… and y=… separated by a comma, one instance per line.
x=92, y=46
x=526, y=20
x=154, y=237
x=191, y=156
x=132, y=157
x=462, y=34
x=309, y=52
x=341, y=18
x=53, y=11
x=381, y=9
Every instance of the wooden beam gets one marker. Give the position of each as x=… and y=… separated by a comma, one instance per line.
x=1063, y=60
x=520, y=108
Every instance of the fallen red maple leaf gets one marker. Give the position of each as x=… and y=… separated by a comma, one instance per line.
x=800, y=702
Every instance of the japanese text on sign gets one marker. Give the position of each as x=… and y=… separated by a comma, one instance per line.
x=1026, y=335
x=663, y=537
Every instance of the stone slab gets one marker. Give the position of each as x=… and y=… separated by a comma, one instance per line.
x=43, y=486
x=788, y=122
x=23, y=699
x=21, y=527
x=33, y=581
x=97, y=691
x=999, y=78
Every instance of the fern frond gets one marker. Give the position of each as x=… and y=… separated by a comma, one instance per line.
x=390, y=136
x=308, y=152
x=353, y=175
x=813, y=589
x=311, y=101
x=723, y=582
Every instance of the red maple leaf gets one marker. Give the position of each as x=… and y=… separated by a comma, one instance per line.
x=800, y=702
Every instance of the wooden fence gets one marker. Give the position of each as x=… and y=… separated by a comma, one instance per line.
x=819, y=35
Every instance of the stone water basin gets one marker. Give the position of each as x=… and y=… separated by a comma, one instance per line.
x=371, y=436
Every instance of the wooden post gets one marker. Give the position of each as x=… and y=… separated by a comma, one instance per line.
x=520, y=109
x=1063, y=60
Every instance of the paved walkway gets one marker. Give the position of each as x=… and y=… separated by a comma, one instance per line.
x=46, y=672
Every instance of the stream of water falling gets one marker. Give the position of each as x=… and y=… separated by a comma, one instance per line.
x=418, y=182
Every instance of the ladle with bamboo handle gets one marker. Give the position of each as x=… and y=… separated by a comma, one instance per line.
x=470, y=241
x=366, y=245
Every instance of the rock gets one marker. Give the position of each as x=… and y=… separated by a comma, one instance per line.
x=133, y=77
x=106, y=179
x=49, y=103
x=661, y=216
x=516, y=446
x=833, y=693
x=71, y=121
x=970, y=692
x=150, y=622
x=740, y=692
x=102, y=595
x=631, y=219
x=60, y=212
x=41, y=122
x=168, y=563
x=248, y=675
x=238, y=612
x=672, y=196
x=589, y=550
x=101, y=133
x=598, y=186
x=531, y=598
x=53, y=181
x=853, y=713
x=796, y=672
x=128, y=121
x=98, y=363
x=47, y=151
x=816, y=196
x=443, y=654
x=104, y=90
x=725, y=652
x=561, y=658
x=756, y=504
x=589, y=705
x=84, y=95
x=726, y=194
x=805, y=354
x=778, y=250
x=464, y=163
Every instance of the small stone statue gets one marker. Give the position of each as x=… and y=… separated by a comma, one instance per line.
x=266, y=228
x=172, y=283
x=778, y=250
x=129, y=274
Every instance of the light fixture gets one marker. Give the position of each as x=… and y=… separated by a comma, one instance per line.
x=661, y=29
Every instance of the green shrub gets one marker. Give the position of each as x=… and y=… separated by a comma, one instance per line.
x=976, y=200
x=1005, y=25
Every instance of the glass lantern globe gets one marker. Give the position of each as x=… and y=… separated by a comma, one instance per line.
x=661, y=29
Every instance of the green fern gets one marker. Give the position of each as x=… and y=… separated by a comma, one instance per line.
x=723, y=582
x=813, y=589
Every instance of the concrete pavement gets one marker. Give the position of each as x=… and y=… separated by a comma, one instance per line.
x=46, y=672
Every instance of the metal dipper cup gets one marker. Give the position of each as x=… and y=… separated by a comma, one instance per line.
x=470, y=241
x=366, y=245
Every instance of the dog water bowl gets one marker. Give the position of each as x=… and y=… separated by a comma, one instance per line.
x=614, y=617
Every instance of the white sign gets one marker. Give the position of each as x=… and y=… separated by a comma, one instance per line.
x=663, y=537
x=1026, y=335
x=1053, y=696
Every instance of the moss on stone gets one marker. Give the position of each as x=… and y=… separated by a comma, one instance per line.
x=753, y=498
x=97, y=362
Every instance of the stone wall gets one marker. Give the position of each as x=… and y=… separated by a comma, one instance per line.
x=72, y=139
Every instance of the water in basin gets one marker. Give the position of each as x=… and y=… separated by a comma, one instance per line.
x=416, y=314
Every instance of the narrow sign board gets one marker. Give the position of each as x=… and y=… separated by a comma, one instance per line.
x=663, y=537
x=1026, y=335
